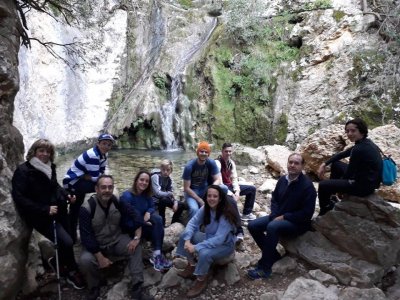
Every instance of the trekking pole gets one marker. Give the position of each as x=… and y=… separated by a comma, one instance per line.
x=57, y=265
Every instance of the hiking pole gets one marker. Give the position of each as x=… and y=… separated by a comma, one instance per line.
x=57, y=265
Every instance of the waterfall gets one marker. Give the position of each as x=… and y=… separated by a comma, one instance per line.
x=170, y=119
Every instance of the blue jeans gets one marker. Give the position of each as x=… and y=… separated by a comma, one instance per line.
x=266, y=234
x=154, y=232
x=192, y=204
x=206, y=256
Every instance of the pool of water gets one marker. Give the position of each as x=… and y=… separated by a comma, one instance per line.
x=124, y=164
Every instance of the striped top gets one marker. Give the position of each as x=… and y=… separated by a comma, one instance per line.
x=90, y=162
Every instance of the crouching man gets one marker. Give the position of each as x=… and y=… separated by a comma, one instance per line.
x=292, y=207
x=102, y=238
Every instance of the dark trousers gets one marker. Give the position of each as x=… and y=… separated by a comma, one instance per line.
x=65, y=245
x=336, y=184
x=250, y=192
x=164, y=202
x=80, y=189
x=154, y=232
x=266, y=234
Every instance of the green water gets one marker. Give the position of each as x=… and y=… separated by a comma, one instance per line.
x=124, y=164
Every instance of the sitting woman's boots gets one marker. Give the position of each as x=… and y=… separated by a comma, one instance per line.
x=188, y=272
x=199, y=286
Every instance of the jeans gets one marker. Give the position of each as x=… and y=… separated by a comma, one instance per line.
x=266, y=234
x=335, y=185
x=192, y=204
x=80, y=189
x=154, y=232
x=164, y=202
x=90, y=268
x=206, y=256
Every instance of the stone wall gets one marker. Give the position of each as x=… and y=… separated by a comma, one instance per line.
x=13, y=235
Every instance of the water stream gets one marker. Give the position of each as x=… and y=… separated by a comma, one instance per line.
x=170, y=119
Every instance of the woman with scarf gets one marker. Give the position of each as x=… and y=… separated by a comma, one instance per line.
x=40, y=200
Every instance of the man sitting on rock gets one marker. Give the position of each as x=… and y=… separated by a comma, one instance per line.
x=101, y=237
x=197, y=175
x=292, y=207
x=230, y=179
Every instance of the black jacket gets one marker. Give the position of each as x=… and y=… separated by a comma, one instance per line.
x=365, y=164
x=33, y=193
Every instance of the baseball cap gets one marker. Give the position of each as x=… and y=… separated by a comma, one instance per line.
x=105, y=136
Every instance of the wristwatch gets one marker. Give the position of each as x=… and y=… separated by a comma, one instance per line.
x=136, y=238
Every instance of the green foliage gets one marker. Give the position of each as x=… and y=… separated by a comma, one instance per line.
x=318, y=4
x=160, y=81
x=338, y=15
x=281, y=129
x=244, y=79
x=186, y=3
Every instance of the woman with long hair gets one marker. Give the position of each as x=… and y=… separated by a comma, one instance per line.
x=217, y=241
x=139, y=198
x=40, y=201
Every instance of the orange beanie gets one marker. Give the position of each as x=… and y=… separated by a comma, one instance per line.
x=203, y=146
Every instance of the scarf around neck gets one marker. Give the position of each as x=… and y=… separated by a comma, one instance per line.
x=41, y=166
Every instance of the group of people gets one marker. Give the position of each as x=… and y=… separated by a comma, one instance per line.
x=112, y=227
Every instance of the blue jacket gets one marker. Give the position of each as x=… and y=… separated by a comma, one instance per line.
x=140, y=203
x=217, y=232
x=295, y=201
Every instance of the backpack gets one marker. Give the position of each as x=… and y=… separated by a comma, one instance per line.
x=389, y=169
x=92, y=204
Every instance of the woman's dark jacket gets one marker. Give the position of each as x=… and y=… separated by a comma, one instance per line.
x=33, y=193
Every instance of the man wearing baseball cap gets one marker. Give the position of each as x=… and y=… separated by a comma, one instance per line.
x=82, y=176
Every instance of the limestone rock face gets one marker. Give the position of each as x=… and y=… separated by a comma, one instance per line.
x=357, y=242
x=13, y=235
x=303, y=288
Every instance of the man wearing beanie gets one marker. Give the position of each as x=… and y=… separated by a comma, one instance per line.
x=197, y=175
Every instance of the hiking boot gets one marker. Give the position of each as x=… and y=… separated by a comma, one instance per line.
x=258, y=274
x=188, y=272
x=198, y=287
x=94, y=293
x=139, y=295
x=75, y=279
x=248, y=217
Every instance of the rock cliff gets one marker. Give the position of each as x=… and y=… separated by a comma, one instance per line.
x=14, y=236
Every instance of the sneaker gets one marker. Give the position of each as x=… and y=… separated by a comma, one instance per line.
x=75, y=279
x=248, y=217
x=157, y=262
x=167, y=264
x=258, y=274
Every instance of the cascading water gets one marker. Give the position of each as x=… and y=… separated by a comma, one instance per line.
x=171, y=120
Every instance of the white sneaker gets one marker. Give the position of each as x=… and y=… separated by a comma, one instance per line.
x=248, y=217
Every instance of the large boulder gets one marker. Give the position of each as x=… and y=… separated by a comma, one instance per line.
x=357, y=242
x=276, y=156
x=14, y=235
x=244, y=155
x=321, y=145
